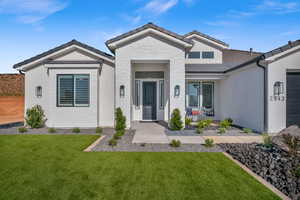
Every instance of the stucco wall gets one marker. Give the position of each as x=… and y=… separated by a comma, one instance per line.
x=242, y=97
x=277, y=72
x=149, y=48
x=203, y=46
x=101, y=109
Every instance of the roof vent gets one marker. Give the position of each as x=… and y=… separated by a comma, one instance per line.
x=290, y=43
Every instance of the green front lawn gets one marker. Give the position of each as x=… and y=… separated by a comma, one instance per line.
x=54, y=167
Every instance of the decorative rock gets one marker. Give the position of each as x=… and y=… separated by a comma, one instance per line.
x=274, y=165
x=278, y=139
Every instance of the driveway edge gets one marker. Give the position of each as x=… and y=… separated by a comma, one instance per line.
x=89, y=148
x=258, y=178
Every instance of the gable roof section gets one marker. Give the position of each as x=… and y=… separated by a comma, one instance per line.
x=195, y=32
x=267, y=55
x=144, y=27
x=68, y=44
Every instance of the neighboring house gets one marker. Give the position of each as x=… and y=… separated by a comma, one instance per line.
x=153, y=71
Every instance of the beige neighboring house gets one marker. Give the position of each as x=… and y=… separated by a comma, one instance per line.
x=153, y=71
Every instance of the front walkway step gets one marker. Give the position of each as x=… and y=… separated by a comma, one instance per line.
x=188, y=139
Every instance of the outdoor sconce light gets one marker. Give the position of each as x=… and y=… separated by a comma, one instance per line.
x=38, y=91
x=177, y=91
x=278, y=88
x=122, y=91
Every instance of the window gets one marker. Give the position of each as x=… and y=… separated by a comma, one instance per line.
x=208, y=54
x=38, y=91
x=137, y=93
x=193, y=94
x=207, y=91
x=73, y=90
x=161, y=94
x=194, y=54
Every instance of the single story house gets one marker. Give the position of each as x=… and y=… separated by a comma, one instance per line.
x=153, y=71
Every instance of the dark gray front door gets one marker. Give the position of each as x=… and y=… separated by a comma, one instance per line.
x=293, y=99
x=149, y=100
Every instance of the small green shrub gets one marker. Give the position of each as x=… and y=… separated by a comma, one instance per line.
x=225, y=124
x=292, y=142
x=209, y=142
x=267, y=140
x=297, y=172
x=120, y=120
x=51, y=130
x=35, y=117
x=204, y=123
x=199, y=130
x=222, y=130
x=188, y=121
x=175, y=143
x=176, y=123
x=112, y=142
x=22, y=130
x=76, y=130
x=229, y=120
x=247, y=130
x=98, y=130
x=121, y=132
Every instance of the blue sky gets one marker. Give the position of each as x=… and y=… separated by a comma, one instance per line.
x=29, y=27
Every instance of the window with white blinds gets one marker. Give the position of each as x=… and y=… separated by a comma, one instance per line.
x=73, y=90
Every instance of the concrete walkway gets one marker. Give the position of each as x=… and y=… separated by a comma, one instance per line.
x=151, y=133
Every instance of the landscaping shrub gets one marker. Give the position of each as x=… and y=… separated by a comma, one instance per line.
x=176, y=123
x=209, y=142
x=247, y=130
x=51, y=130
x=199, y=130
x=225, y=124
x=292, y=142
x=76, y=130
x=22, y=130
x=175, y=143
x=35, y=117
x=267, y=140
x=116, y=136
x=112, y=142
x=229, y=120
x=121, y=132
x=98, y=130
x=188, y=121
x=204, y=123
x=120, y=120
x=222, y=130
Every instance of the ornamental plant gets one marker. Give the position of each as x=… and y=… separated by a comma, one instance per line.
x=225, y=124
x=247, y=130
x=175, y=143
x=35, y=117
x=120, y=120
x=209, y=142
x=204, y=123
x=176, y=123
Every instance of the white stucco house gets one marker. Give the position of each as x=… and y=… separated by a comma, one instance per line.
x=153, y=71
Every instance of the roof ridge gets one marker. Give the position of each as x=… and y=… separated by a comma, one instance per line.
x=206, y=36
x=72, y=42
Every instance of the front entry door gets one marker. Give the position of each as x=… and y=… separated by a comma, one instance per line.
x=149, y=100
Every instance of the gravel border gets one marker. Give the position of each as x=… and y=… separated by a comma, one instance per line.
x=125, y=144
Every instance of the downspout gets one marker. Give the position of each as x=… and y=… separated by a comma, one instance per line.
x=265, y=91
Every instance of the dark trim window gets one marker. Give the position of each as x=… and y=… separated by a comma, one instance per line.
x=208, y=54
x=73, y=90
x=161, y=94
x=194, y=54
x=137, y=93
x=38, y=91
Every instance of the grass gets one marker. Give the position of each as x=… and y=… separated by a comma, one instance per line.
x=54, y=167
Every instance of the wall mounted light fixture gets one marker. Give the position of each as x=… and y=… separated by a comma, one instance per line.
x=122, y=91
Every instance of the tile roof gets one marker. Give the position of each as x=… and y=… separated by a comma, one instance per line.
x=206, y=36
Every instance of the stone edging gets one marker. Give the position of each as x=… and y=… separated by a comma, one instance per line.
x=258, y=178
x=89, y=148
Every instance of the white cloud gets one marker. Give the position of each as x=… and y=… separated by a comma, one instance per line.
x=221, y=23
x=189, y=2
x=159, y=6
x=31, y=11
x=279, y=7
x=132, y=19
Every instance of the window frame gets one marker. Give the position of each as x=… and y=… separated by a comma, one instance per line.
x=74, y=91
x=208, y=52
x=191, y=52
